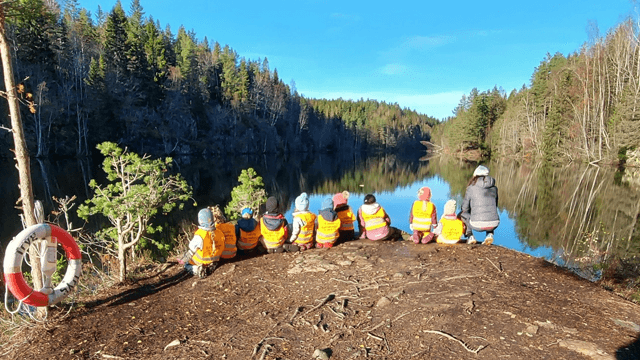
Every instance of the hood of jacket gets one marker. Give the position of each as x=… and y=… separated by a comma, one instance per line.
x=328, y=214
x=370, y=209
x=485, y=182
x=273, y=221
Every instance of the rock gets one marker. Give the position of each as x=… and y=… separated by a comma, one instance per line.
x=627, y=324
x=320, y=355
x=531, y=330
x=398, y=275
x=586, y=348
x=344, y=262
x=384, y=301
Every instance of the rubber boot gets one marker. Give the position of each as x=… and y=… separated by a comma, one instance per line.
x=415, y=237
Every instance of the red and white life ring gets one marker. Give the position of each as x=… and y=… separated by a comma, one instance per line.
x=12, y=265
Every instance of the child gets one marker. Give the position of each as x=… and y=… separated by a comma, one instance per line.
x=273, y=227
x=247, y=231
x=451, y=228
x=304, y=223
x=229, y=231
x=206, y=246
x=346, y=216
x=374, y=223
x=422, y=216
x=328, y=225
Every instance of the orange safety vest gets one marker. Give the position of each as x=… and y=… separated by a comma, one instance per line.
x=452, y=231
x=272, y=238
x=375, y=221
x=229, y=231
x=327, y=230
x=305, y=235
x=212, y=245
x=422, y=217
x=347, y=218
x=249, y=239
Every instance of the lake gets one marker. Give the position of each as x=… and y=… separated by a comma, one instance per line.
x=577, y=216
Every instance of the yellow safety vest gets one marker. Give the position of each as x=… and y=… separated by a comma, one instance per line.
x=212, y=245
x=375, y=221
x=229, y=231
x=452, y=231
x=347, y=218
x=249, y=239
x=327, y=230
x=272, y=238
x=422, y=217
x=306, y=232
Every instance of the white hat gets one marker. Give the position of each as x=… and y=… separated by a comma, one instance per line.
x=481, y=170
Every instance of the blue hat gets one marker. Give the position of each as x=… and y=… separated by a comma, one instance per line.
x=246, y=211
x=327, y=204
x=302, y=202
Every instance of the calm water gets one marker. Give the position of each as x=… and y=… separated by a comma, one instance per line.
x=576, y=216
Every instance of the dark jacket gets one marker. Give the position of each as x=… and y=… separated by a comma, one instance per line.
x=481, y=200
x=247, y=225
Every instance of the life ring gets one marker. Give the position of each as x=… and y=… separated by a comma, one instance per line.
x=12, y=265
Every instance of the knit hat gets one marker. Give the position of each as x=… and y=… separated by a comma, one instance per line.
x=369, y=199
x=450, y=207
x=424, y=194
x=302, y=202
x=327, y=204
x=246, y=211
x=341, y=198
x=272, y=204
x=481, y=170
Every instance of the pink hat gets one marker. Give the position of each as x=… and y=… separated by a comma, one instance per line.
x=340, y=198
x=424, y=194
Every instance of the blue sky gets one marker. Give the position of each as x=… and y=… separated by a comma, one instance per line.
x=424, y=55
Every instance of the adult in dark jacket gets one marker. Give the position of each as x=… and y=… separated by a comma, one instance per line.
x=480, y=205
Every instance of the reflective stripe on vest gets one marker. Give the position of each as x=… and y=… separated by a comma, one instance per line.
x=229, y=231
x=207, y=254
x=452, y=229
x=422, y=217
x=249, y=239
x=272, y=238
x=327, y=230
x=347, y=218
x=375, y=221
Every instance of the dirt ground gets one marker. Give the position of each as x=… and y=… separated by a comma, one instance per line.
x=362, y=299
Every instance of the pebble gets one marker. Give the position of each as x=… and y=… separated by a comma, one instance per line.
x=384, y=301
x=320, y=355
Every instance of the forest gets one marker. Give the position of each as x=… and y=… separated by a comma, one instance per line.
x=581, y=107
x=121, y=76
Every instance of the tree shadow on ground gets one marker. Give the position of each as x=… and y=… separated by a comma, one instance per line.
x=630, y=351
x=141, y=291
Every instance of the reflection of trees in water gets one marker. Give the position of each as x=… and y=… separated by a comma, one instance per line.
x=579, y=211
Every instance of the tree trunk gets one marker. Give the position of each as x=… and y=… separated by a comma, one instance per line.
x=122, y=258
x=21, y=152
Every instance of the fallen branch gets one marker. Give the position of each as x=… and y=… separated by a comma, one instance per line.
x=326, y=300
x=339, y=315
x=375, y=327
x=494, y=265
x=375, y=337
x=461, y=277
x=298, y=311
x=476, y=351
x=346, y=281
x=386, y=343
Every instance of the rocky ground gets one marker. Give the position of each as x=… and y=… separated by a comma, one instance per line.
x=358, y=300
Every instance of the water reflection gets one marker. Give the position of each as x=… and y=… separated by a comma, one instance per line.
x=575, y=215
